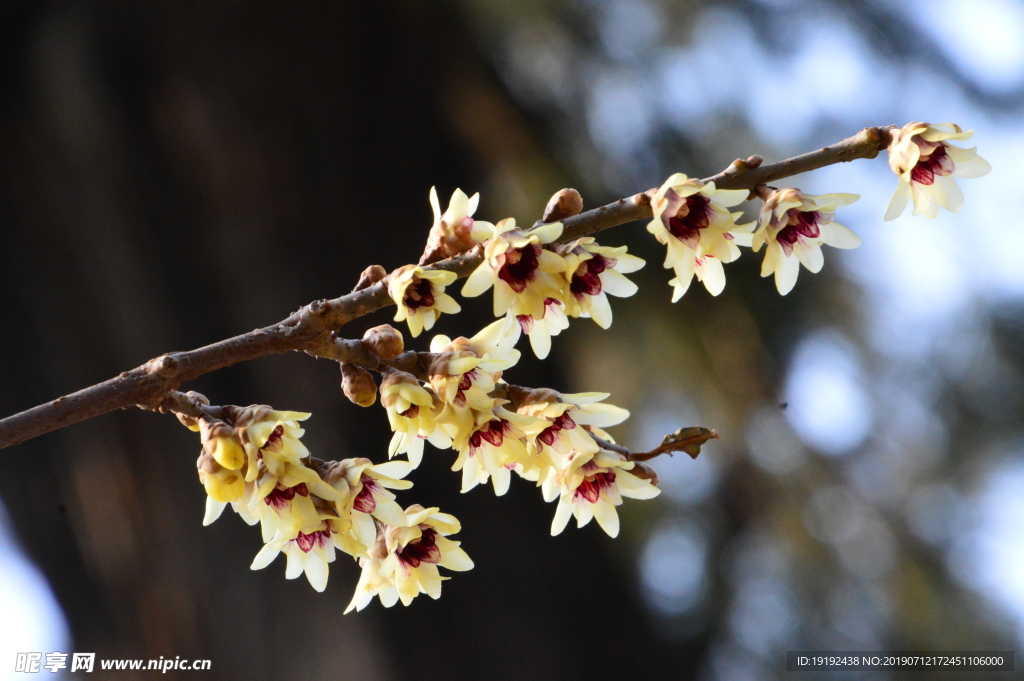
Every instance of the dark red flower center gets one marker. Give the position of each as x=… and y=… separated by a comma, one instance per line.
x=364, y=502
x=279, y=497
x=273, y=443
x=590, y=488
x=801, y=224
x=419, y=294
x=319, y=538
x=422, y=550
x=519, y=266
x=693, y=216
x=492, y=432
x=936, y=163
x=586, y=281
x=550, y=434
x=465, y=383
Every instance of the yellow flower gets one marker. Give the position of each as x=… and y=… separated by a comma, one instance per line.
x=308, y=552
x=565, y=412
x=591, y=272
x=465, y=371
x=926, y=165
x=519, y=268
x=692, y=219
x=540, y=331
x=410, y=409
x=404, y=561
x=591, y=486
x=453, y=231
x=362, y=495
x=272, y=440
x=493, y=449
x=420, y=297
x=795, y=225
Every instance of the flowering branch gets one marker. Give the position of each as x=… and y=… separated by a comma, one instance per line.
x=455, y=397
x=311, y=329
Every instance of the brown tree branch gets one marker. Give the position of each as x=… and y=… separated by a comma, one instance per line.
x=312, y=328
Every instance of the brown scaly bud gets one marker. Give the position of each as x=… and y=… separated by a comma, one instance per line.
x=385, y=341
x=564, y=204
x=370, y=276
x=187, y=421
x=358, y=385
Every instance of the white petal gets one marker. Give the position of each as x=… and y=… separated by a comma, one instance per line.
x=213, y=510
x=601, y=310
x=316, y=572
x=540, y=340
x=266, y=556
x=713, y=275
x=786, y=274
x=562, y=515
x=811, y=257
x=457, y=560
x=606, y=517
x=899, y=201
x=617, y=285
x=951, y=198
x=434, y=204
x=838, y=236
x=478, y=282
x=976, y=167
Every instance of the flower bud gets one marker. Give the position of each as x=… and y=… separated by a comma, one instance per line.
x=564, y=204
x=221, y=484
x=227, y=451
x=220, y=441
x=358, y=385
x=370, y=276
x=385, y=341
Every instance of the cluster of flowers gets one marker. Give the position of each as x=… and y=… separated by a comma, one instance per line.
x=693, y=220
x=537, y=282
x=541, y=435
x=542, y=283
x=253, y=459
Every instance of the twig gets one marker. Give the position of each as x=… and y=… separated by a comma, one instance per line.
x=312, y=328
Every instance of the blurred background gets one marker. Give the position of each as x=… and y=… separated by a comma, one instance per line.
x=175, y=173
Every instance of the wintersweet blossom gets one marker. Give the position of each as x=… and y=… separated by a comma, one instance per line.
x=307, y=552
x=494, y=448
x=552, y=322
x=454, y=231
x=404, y=561
x=223, y=486
x=591, y=272
x=287, y=511
x=795, y=225
x=926, y=165
x=363, y=494
x=519, y=268
x=410, y=409
x=271, y=440
x=692, y=219
x=464, y=371
x=566, y=413
x=420, y=297
x=591, y=486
